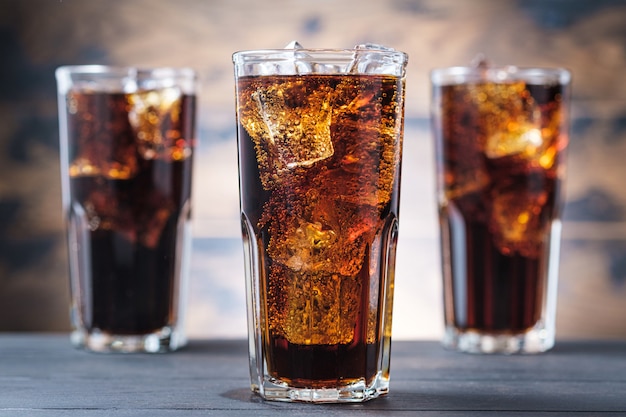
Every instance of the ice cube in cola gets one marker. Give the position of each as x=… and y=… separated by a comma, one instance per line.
x=290, y=127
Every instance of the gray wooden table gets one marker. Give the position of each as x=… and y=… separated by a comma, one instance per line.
x=41, y=375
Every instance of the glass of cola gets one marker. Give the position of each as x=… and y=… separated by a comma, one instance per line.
x=320, y=141
x=501, y=134
x=127, y=138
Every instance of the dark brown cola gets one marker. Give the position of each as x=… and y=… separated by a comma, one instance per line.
x=499, y=149
x=130, y=160
x=320, y=167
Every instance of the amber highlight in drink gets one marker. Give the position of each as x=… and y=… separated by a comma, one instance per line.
x=320, y=176
x=127, y=152
x=501, y=136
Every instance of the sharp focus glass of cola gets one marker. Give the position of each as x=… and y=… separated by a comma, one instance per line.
x=127, y=140
x=319, y=156
x=501, y=137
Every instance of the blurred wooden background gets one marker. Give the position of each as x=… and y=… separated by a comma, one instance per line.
x=36, y=36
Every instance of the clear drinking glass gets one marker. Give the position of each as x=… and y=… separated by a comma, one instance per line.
x=127, y=138
x=320, y=141
x=501, y=134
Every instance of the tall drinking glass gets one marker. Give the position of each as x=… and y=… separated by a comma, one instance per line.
x=501, y=135
x=127, y=137
x=320, y=141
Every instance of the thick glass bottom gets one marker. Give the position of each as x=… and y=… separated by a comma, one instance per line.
x=275, y=390
x=537, y=339
x=164, y=340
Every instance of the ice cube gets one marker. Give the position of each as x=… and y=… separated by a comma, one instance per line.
x=293, y=45
x=138, y=217
x=290, y=127
x=313, y=293
x=309, y=240
x=101, y=149
x=518, y=139
x=371, y=162
x=316, y=233
x=151, y=227
x=480, y=61
x=103, y=211
x=552, y=135
x=510, y=119
x=154, y=116
x=516, y=221
x=313, y=248
x=321, y=310
x=296, y=58
x=89, y=167
x=291, y=60
x=470, y=181
x=366, y=59
x=313, y=309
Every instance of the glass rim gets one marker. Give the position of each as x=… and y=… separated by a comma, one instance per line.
x=126, y=71
x=499, y=73
x=337, y=54
x=111, y=78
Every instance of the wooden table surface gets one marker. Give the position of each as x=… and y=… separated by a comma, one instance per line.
x=41, y=375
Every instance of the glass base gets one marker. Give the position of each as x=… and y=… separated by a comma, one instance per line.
x=164, y=340
x=274, y=390
x=536, y=340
